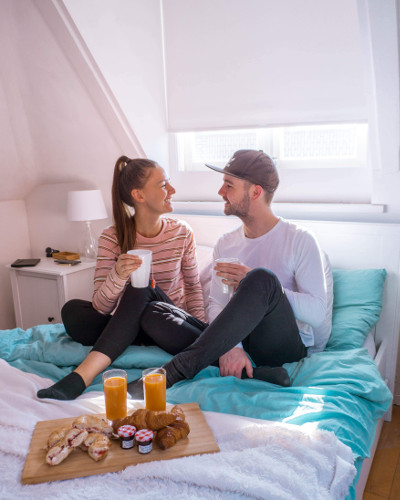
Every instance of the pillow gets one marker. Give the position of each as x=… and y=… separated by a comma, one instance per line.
x=357, y=304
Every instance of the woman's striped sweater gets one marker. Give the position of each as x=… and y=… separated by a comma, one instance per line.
x=174, y=268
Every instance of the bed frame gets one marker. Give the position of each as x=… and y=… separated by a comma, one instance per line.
x=349, y=245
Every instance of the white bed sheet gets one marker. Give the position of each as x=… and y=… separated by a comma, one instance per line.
x=254, y=459
x=369, y=344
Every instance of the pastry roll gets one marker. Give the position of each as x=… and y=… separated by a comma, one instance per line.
x=62, y=449
x=58, y=453
x=98, y=446
x=75, y=437
x=56, y=436
x=93, y=423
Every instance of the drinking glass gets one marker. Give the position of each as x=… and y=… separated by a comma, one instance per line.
x=115, y=393
x=224, y=287
x=155, y=389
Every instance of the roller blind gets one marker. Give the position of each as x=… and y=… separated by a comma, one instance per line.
x=246, y=63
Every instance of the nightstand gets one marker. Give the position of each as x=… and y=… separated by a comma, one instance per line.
x=39, y=292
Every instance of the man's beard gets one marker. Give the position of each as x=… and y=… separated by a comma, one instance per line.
x=240, y=209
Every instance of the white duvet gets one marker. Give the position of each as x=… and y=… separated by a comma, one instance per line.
x=258, y=459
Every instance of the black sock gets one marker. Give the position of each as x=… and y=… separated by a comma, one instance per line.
x=173, y=374
x=135, y=389
x=275, y=375
x=69, y=387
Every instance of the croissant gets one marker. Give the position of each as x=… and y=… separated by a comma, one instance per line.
x=170, y=435
x=146, y=419
x=178, y=412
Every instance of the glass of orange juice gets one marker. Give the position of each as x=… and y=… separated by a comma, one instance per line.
x=114, y=385
x=155, y=389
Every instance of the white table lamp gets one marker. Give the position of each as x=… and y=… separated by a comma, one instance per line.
x=86, y=206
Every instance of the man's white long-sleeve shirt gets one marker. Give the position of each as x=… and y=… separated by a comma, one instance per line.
x=293, y=254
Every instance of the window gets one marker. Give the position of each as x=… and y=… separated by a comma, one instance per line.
x=316, y=163
x=323, y=146
x=318, y=146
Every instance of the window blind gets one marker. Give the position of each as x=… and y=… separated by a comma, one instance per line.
x=250, y=63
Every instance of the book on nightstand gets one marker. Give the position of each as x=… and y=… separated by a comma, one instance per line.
x=25, y=262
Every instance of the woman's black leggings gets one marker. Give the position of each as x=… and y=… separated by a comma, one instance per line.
x=258, y=315
x=112, y=334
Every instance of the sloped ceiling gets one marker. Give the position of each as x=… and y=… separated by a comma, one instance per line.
x=125, y=38
x=53, y=127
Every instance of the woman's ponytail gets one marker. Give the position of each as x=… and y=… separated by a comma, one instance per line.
x=124, y=224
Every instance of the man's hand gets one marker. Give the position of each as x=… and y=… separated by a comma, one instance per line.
x=233, y=362
x=231, y=272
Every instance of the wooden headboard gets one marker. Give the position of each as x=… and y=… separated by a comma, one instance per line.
x=349, y=245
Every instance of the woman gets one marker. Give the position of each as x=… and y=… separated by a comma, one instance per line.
x=116, y=318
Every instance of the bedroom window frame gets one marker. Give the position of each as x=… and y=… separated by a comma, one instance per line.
x=190, y=174
x=272, y=140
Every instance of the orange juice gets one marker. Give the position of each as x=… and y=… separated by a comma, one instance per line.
x=154, y=387
x=115, y=397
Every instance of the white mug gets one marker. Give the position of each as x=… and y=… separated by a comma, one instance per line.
x=224, y=287
x=141, y=276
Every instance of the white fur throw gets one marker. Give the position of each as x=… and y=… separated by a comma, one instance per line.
x=258, y=459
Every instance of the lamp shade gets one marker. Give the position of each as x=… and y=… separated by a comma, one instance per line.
x=86, y=205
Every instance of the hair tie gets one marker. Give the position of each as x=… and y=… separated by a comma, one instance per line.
x=123, y=162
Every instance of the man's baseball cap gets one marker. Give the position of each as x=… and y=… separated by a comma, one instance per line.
x=253, y=166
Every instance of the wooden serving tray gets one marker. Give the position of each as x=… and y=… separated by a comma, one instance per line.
x=79, y=464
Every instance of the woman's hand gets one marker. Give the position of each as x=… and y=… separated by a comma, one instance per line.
x=126, y=264
x=231, y=272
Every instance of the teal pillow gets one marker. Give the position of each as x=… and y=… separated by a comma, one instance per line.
x=357, y=304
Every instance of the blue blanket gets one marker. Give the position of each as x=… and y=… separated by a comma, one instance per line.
x=341, y=391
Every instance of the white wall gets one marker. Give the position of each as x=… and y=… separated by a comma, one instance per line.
x=57, y=124
x=17, y=153
x=15, y=244
x=54, y=131
x=47, y=218
x=380, y=24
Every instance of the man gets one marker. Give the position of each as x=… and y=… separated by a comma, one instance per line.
x=281, y=305
x=264, y=240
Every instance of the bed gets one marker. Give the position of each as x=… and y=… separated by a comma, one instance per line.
x=311, y=440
